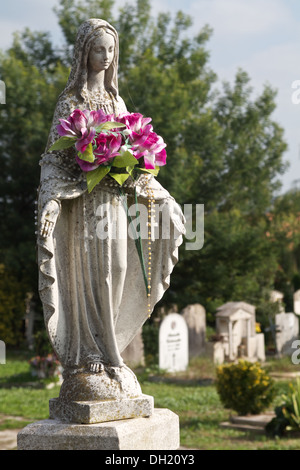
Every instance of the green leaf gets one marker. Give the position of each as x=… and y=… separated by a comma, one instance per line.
x=124, y=160
x=153, y=172
x=129, y=170
x=137, y=239
x=94, y=177
x=107, y=126
x=119, y=177
x=63, y=143
x=88, y=155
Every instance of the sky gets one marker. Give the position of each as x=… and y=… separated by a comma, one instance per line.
x=262, y=37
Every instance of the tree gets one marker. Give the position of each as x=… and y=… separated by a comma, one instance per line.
x=224, y=149
x=12, y=308
x=237, y=179
x=283, y=233
x=33, y=81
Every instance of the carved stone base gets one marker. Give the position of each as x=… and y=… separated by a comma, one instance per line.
x=158, y=432
x=113, y=383
x=89, y=412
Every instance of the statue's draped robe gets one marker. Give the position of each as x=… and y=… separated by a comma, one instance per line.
x=91, y=286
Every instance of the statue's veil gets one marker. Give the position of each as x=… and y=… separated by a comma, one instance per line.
x=87, y=32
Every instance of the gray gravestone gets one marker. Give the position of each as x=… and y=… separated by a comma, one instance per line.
x=2, y=92
x=2, y=352
x=195, y=317
x=287, y=330
x=297, y=302
x=173, y=343
x=133, y=354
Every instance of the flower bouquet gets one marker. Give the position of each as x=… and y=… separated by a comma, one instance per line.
x=120, y=146
x=45, y=366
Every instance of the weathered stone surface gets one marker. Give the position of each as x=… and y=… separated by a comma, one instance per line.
x=158, y=432
x=91, y=283
x=114, y=383
x=87, y=269
x=87, y=412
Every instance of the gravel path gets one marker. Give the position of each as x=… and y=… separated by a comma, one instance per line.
x=8, y=439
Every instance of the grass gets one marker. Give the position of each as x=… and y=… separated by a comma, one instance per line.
x=21, y=395
x=190, y=394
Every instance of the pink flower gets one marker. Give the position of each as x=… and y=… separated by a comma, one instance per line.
x=107, y=148
x=153, y=151
x=138, y=127
x=144, y=142
x=81, y=124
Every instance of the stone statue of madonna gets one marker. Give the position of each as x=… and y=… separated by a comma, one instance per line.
x=91, y=287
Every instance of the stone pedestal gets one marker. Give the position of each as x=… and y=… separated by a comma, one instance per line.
x=160, y=431
x=91, y=412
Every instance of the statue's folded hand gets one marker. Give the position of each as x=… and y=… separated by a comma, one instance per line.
x=48, y=218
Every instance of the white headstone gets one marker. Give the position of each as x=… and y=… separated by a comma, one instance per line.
x=297, y=302
x=173, y=343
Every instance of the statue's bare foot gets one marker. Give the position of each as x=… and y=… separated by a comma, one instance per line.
x=96, y=367
x=115, y=372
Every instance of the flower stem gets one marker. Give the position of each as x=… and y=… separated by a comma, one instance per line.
x=137, y=238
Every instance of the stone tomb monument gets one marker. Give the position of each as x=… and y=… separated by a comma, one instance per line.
x=91, y=284
x=173, y=343
x=235, y=322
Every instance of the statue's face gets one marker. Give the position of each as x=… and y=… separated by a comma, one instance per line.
x=101, y=53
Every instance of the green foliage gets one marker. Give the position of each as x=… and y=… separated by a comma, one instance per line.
x=150, y=339
x=12, y=308
x=72, y=13
x=244, y=387
x=42, y=345
x=32, y=86
x=288, y=414
x=24, y=125
x=292, y=409
x=240, y=155
x=35, y=49
x=284, y=236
